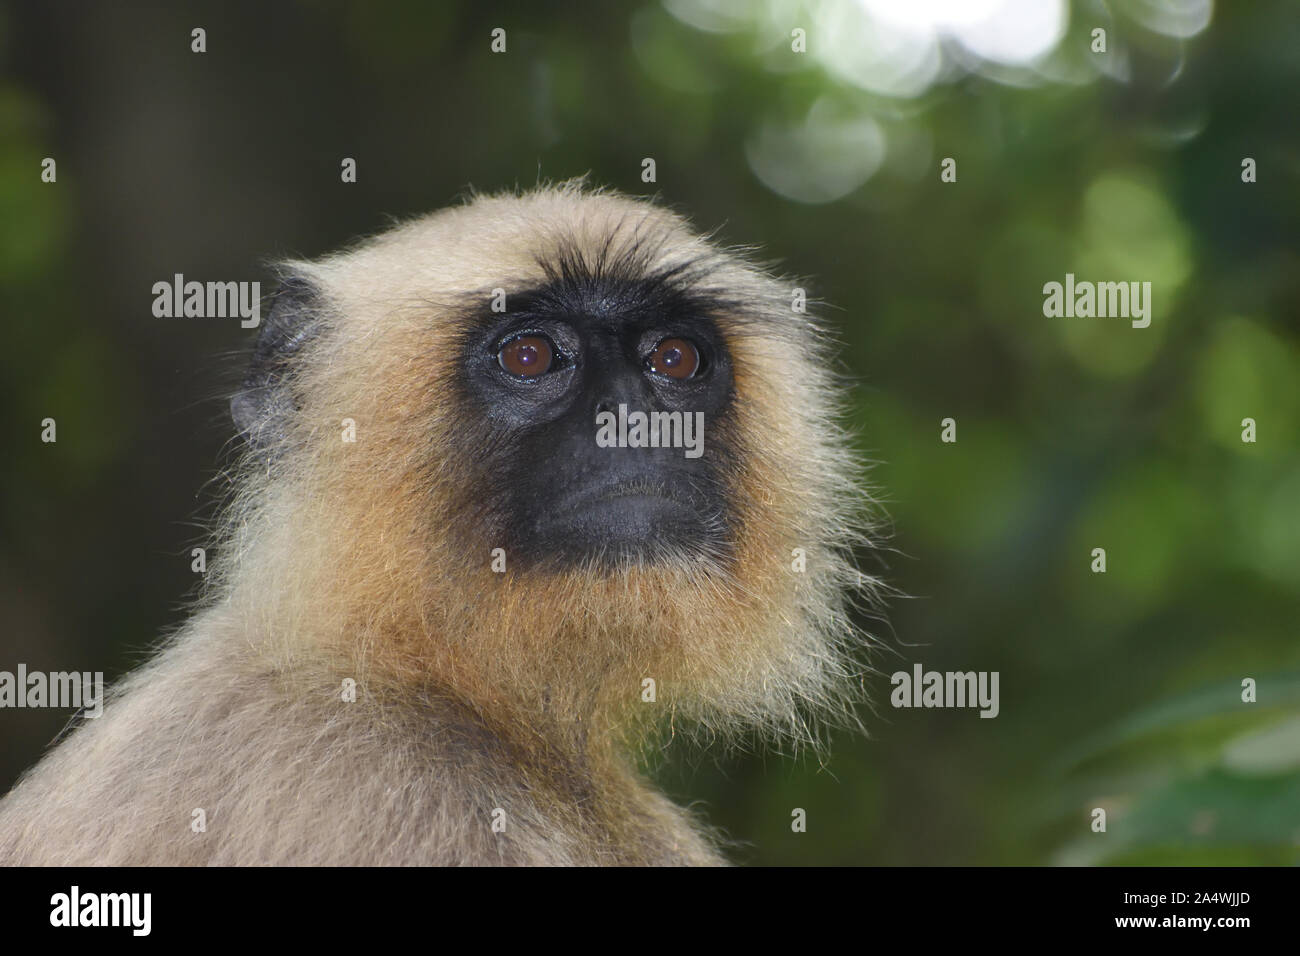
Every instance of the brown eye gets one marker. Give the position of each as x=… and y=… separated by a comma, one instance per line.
x=676, y=358
x=527, y=356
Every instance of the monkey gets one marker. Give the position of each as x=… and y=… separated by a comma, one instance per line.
x=443, y=624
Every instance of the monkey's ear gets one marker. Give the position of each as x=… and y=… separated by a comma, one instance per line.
x=263, y=406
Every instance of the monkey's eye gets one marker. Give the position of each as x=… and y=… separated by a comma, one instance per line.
x=527, y=356
x=676, y=358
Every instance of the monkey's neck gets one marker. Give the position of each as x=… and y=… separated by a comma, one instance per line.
x=560, y=662
x=576, y=711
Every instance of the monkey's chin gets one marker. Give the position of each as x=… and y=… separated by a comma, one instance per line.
x=628, y=530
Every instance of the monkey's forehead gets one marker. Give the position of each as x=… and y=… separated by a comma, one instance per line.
x=509, y=242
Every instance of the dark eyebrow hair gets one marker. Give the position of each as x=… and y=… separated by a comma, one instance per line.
x=611, y=297
x=623, y=276
x=620, y=278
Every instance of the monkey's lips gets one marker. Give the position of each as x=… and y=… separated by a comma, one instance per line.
x=629, y=519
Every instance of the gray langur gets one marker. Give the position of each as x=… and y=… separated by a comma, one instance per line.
x=460, y=584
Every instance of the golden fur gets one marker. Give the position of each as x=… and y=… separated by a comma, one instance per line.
x=475, y=690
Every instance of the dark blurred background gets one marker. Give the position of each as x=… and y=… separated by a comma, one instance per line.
x=1119, y=690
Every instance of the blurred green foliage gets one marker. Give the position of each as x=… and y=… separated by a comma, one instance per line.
x=1119, y=690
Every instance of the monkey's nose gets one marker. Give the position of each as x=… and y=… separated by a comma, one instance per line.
x=635, y=400
x=623, y=387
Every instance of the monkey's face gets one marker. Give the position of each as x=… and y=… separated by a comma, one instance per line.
x=580, y=382
x=604, y=402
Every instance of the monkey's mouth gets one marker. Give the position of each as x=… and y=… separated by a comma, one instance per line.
x=641, y=520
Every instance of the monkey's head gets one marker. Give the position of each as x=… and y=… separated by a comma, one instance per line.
x=545, y=448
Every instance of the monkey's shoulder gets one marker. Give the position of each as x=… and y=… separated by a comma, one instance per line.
x=200, y=758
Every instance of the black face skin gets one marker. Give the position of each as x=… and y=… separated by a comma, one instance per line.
x=552, y=493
